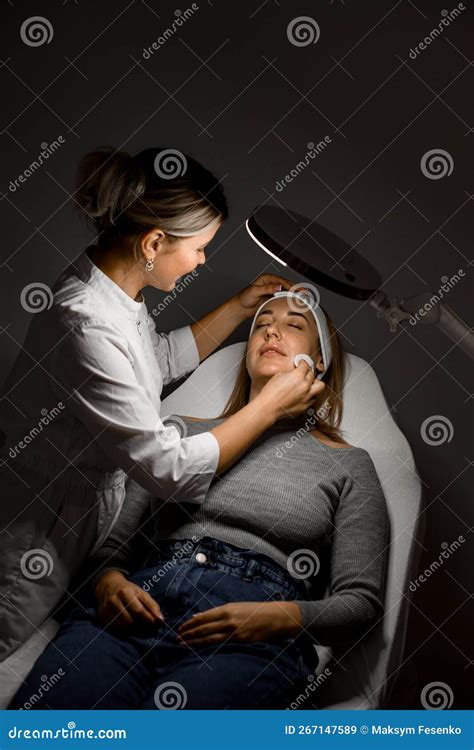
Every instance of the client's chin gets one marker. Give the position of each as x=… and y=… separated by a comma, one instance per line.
x=271, y=368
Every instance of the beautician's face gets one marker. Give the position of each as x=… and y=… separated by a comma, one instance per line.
x=288, y=332
x=178, y=258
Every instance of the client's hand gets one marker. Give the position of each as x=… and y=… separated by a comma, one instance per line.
x=121, y=603
x=242, y=621
x=288, y=394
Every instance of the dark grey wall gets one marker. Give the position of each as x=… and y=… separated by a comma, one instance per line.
x=231, y=89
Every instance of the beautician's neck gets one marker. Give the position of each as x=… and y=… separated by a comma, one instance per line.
x=118, y=268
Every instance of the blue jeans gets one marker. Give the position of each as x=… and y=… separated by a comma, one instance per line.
x=147, y=668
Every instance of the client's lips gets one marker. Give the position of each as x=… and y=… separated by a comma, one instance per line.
x=271, y=350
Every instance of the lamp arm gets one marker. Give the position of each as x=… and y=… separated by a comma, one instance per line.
x=425, y=309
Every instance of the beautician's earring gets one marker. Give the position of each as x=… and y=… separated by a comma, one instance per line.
x=149, y=265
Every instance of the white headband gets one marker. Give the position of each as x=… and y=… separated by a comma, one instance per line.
x=321, y=323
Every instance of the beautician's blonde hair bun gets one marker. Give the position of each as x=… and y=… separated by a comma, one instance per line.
x=108, y=182
x=125, y=196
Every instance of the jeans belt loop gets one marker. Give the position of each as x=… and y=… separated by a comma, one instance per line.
x=250, y=570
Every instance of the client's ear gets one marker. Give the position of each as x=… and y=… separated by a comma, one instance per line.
x=319, y=362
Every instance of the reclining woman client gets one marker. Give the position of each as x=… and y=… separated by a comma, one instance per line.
x=219, y=605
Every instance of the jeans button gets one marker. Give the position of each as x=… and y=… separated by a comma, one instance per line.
x=177, y=545
x=201, y=558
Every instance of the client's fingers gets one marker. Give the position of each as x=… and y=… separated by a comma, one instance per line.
x=136, y=610
x=201, y=631
x=152, y=606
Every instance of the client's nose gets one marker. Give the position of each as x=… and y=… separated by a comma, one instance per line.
x=272, y=330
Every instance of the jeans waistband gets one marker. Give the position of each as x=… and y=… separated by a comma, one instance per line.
x=250, y=562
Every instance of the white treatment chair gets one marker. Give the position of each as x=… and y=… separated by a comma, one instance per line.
x=362, y=678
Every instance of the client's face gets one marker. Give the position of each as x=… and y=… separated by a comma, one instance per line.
x=279, y=334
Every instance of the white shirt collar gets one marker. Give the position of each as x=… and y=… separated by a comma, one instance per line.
x=106, y=287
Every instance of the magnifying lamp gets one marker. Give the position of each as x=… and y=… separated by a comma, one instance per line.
x=326, y=259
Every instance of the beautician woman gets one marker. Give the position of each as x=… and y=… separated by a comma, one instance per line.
x=81, y=407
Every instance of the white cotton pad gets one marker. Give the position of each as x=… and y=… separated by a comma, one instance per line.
x=297, y=359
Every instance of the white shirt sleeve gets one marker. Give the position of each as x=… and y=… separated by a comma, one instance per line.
x=94, y=367
x=176, y=352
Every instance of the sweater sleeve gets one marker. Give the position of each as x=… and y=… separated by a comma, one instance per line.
x=357, y=561
x=129, y=539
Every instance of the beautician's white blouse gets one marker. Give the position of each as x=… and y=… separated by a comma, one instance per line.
x=98, y=353
x=81, y=410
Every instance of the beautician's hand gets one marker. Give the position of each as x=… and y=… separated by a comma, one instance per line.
x=261, y=289
x=121, y=603
x=242, y=621
x=288, y=394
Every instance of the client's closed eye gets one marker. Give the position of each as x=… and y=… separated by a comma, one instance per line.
x=291, y=325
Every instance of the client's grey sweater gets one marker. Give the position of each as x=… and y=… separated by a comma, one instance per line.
x=288, y=492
